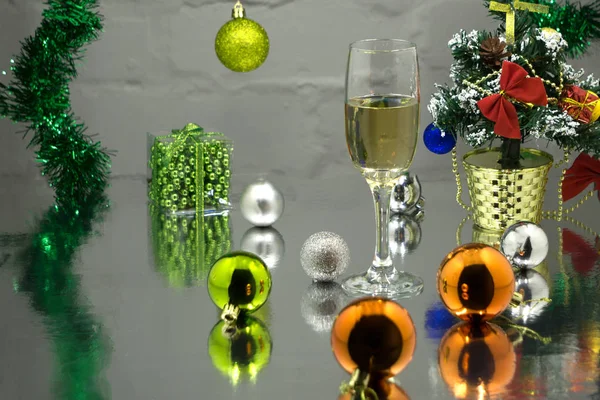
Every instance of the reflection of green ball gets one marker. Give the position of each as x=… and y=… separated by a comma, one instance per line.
x=241, y=279
x=245, y=354
x=242, y=45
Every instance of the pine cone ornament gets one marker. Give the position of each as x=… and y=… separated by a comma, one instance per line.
x=492, y=52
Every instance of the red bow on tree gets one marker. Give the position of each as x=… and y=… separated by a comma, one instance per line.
x=515, y=85
x=584, y=171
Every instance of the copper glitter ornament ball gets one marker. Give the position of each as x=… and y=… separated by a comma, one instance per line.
x=476, y=282
x=476, y=360
x=374, y=335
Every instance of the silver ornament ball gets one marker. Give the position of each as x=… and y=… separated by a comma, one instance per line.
x=532, y=286
x=320, y=305
x=404, y=234
x=324, y=256
x=406, y=193
x=525, y=244
x=261, y=203
x=267, y=243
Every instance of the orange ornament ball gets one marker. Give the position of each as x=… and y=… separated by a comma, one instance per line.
x=476, y=282
x=384, y=389
x=476, y=360
x=374, y=335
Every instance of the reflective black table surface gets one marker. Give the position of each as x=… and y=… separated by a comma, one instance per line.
x=112, y=309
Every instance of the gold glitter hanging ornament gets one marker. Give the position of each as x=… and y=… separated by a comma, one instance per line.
x=242, y=45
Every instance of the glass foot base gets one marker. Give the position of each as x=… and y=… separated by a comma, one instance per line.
x=389, y=284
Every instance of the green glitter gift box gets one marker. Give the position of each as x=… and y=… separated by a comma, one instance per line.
x=190, y=170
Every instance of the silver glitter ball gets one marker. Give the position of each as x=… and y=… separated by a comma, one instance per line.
x=406, y=193
x=404, y=234
x=324, y=256
x=267, y=243
x=261, y=203
x=320, y=305
x=525, y=244
x=534, y=288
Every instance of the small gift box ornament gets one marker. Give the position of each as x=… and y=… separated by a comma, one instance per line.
x=191, y=170
x=582, y=105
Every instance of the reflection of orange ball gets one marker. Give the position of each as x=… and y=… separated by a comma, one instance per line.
x=375, y=335
x=476, y=360
x=476, y=282
x=384, y=390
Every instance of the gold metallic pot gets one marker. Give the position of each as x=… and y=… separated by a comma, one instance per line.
x=479, y=235
x=501, y=197
x=491, y=238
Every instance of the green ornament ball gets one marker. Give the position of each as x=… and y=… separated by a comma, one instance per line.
x=242, y=45
x=240, y=279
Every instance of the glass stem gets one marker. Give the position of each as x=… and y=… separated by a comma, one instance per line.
x=381, y=197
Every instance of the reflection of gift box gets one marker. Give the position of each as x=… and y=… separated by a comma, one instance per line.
x=191, y=170
x=186, y=246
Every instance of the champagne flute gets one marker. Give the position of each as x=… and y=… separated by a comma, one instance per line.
x=382, y=122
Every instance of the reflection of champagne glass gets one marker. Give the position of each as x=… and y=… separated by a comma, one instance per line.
x=382, y=122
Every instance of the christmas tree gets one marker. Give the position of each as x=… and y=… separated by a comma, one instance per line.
x=514, y=85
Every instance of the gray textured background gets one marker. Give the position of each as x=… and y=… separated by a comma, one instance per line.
x=154, y=69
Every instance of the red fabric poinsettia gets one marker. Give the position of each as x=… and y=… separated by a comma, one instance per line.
x=514, y=85
x=584, y=171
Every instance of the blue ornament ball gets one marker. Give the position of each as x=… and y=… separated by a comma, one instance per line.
x=438, y=142
x=438, y=320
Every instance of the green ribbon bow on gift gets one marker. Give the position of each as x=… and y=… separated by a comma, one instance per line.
x=189, y=128
x=181, y=138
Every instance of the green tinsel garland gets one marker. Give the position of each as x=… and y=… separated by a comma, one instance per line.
x=578, y=23
x=79, y=341
x=38, y=95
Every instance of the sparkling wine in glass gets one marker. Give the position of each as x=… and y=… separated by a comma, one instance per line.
x=382, y=124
